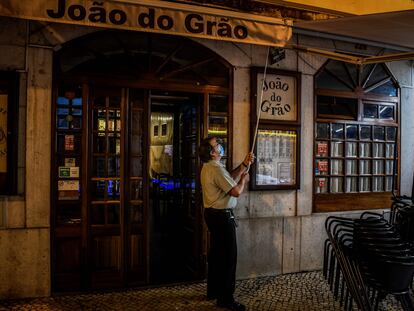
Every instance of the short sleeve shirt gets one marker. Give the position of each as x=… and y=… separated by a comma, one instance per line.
x=216, y=183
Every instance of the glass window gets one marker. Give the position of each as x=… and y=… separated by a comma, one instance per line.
x=332, y=107
x=365, y=132
x=351, y=149
x=351, y=184
x=352, y=131
x=322, y=130
x=391, y=133
x=358, y=126
x=387, y=89
x=371, y=111
x=337, y=131
x=379, y=133
x=218, y=103
x=321, y=185
x=386, y=112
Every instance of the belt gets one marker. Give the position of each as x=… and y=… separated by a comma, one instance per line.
x=219, y=210
x=222, y=211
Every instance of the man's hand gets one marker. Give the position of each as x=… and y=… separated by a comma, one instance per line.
x=249, y=159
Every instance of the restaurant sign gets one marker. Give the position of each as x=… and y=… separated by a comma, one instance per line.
x=156, y=16
x=277, y=96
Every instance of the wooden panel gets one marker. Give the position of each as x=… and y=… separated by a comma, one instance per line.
x=352, y=201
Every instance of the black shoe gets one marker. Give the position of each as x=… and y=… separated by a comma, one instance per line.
x=234, y=306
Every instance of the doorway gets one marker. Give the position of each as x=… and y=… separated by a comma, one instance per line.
x=174, y=137
x=129, y=111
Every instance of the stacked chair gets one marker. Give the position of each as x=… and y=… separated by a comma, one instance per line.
x=367, y=259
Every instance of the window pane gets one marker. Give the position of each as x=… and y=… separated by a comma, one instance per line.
x=337, y=167
x=378, y=184
x=321, y=185
x=352, y=131
x=386, y=112
x=387, y=89
x=364, y=150
x=364, y=184
x=351, y=184
x=351, y=149
x=378, y=167
x=370, y=111
x=391, y=133
x=98, y=214
x=217, y=125
x=377, y=150
x=388, y=183
x=389, y=150
x=389, y=165
x=379, y=132
x=337, y=149
x=321, y=148
x=325, y=80
x=337, y=131
x=98, y=190
x=331, y=107
x=365, y=132
x=351, y=167
x=364, y=167
x=136, y=191
x=321, y=167
x=218, y=103
x=322, y=130
x=336, y=184
x=113, y=214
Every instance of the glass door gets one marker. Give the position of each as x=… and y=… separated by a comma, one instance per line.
x=106, y=173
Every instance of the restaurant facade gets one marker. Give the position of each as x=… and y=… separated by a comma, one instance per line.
x=102, y=115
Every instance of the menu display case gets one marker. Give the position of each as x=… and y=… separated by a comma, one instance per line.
x=276, y=148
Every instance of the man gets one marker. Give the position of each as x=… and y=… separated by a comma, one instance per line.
x=220, y=191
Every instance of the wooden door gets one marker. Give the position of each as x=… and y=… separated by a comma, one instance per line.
x=106, y=183
x=136, y=188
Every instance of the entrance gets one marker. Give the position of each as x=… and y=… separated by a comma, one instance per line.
x=174, y=137
x=126, y=203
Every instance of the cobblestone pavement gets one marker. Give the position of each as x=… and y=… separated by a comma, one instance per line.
x=298, y=292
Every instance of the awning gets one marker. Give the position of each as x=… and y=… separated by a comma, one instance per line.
x=156, y=16
x=393, y=30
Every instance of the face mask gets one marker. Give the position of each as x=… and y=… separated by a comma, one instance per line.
x=220, y=150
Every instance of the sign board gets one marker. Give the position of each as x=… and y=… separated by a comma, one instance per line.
x=156, y=16
x=278, y=102
x=68, y=185
x=68, y=171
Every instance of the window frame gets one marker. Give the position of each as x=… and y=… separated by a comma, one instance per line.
x=343, y=201
x=272, y=124
x=9, y=81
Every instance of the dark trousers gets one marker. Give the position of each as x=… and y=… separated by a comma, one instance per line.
x=222, y=257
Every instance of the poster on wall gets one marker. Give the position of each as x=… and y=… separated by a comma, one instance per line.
x=69, y=142
x=68, y=171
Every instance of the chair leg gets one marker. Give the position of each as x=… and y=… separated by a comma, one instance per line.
x=406, y=302
x=341, y=301
x=380, y=296
x=336, y=285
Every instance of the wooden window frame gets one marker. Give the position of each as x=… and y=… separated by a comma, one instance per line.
x=345, y=201
x=9, y=81
x=283, y=125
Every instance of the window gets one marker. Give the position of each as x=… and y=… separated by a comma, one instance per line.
x=8, y=132
x=355, y=137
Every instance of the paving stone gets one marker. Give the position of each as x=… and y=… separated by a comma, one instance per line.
x=290, y=292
